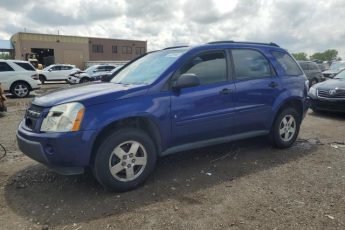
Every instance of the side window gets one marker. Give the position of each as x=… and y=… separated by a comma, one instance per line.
x=303, y=65
x=25, y=66
x=5, y=67
x=287, y=63
x=250, y=64
x=208, y=67
x=56, y=68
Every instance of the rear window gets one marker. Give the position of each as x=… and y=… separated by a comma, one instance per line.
x=25, y=66
x=5, y=67
x=287, y=63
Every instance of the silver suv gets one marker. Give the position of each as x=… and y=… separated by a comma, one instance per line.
x=312, y=71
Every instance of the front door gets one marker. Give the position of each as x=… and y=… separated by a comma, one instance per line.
x=205, y=111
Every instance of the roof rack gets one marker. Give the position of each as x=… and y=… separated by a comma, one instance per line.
x=258, y=43
x=174, y=47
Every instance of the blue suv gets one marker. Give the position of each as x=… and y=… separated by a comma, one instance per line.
x=164, y=102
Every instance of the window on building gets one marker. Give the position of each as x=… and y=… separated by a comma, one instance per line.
x=114, y=48
x=96, y=48
x=5, y=67
x=126, y=49
x=139, y=50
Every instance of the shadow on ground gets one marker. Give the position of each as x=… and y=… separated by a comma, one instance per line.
x=332, y=115
x=43, y=196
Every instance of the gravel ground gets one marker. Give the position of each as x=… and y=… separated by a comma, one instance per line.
x=241, y=185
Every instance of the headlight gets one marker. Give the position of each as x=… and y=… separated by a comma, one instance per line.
x=312, y=91
x=64, y=118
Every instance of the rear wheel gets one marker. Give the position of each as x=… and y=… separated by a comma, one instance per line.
x=125, y=159
x=286, y=128
x=20, y=89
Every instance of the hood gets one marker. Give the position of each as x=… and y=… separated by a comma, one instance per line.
x=89, y=94
x=331, y=84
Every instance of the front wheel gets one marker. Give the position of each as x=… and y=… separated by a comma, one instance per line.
x=20, y=89
x=125, y=159
x=286, y=128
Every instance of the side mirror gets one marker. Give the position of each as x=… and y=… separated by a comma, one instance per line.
x=186, y=80
x=49, y=70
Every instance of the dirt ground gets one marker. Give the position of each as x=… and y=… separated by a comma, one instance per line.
x=241, y=185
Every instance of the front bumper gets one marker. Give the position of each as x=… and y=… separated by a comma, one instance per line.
x=73, y=80
x=66, y=153
x=325, y=104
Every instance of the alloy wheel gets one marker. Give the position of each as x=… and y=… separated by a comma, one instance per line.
x=127, y=161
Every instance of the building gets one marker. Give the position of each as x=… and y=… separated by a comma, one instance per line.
x=49, y=49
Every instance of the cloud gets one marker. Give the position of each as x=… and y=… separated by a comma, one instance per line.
x=296, y=25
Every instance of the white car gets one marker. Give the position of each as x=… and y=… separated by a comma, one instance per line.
x=56, y=72
x=93, y=73
x=18, y=77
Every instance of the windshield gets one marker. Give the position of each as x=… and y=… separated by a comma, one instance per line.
x=147, y=69
x=340, y=75
x=337, y=65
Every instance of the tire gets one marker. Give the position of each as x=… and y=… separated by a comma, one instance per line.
x=281, y=133
x=20, y=89
x=114, y=152
x=42, y=79
x=313, y=81
x=84, y=79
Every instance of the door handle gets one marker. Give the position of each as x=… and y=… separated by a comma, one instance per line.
x=273, y=84
x=225, y=91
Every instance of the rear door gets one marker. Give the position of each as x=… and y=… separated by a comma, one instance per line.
x=205, y=111
x=257, y=88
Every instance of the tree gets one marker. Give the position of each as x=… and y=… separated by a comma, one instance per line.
x=327, y=55
x=5, y=56
x=300, y=56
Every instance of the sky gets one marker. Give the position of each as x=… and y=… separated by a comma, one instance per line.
x=297, y=25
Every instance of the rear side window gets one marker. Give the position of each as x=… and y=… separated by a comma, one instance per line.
x=287, y=63
x=5, y=67
x=25, y=66
x=208, y=67
x=250, y=64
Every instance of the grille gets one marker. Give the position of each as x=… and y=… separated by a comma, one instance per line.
x=32, y=116
x=337, y=93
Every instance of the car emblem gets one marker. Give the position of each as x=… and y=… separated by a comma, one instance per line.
x=332, y=92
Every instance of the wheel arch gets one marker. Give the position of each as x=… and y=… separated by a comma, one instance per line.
x=140, y=122
x=290, y=103
x=18, y=81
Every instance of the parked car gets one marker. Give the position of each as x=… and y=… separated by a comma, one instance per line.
x=109, y=75
x=164, y=102
x=329, y=95
x=312, y=71
x=18, y=77
x=56, y=72
x=92, y=73
x=334, y=69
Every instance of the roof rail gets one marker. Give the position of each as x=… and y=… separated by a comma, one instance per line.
x=258, y=43
x=174, y=47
